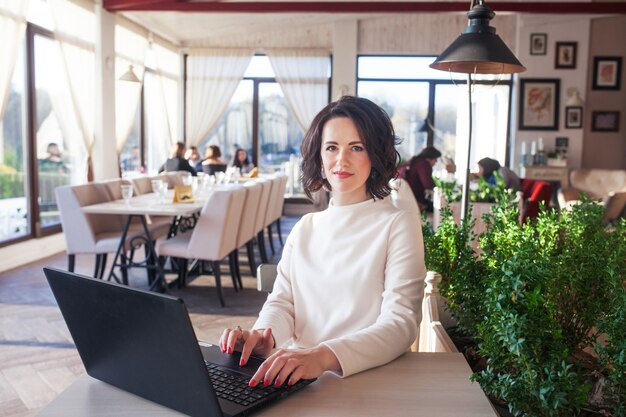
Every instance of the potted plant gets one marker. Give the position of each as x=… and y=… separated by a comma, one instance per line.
x=544, y=304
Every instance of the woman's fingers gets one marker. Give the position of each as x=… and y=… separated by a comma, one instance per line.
x=292, y=365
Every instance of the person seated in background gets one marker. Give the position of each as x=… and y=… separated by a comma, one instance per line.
x=337, y=304
x=488, y=166
x=213, y=160
x=193, y=157
x=177, y=161
x=53, y=162
x=241, y=161
x=418, y=172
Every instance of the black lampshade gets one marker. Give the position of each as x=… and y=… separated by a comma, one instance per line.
x=478, y=50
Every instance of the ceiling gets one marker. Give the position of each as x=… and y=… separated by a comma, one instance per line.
x=189, y=22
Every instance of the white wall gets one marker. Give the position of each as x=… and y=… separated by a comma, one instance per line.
x=572, y=28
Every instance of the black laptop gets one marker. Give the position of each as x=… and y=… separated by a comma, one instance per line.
x=144, y=343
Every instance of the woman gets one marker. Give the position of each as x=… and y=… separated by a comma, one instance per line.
x=349, y=286
x=241, y=161
x=213, y=162
x=177, y=161
x=487, y=167
x=418, y=172
x=193, y=157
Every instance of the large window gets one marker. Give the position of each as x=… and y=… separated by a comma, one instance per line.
x=13, y=179
x=430, y=108
x=259, y=120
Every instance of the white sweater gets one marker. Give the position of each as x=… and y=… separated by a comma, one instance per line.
x=351, y=277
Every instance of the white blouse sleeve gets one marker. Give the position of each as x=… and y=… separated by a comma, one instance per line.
x=278, y=310
x=397, y=324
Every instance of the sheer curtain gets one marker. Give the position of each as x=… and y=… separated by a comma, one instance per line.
x=303, y=76
x=161, y=104
x=12, y=26
x=130, y=49
x=74, y=30
x=212, y=78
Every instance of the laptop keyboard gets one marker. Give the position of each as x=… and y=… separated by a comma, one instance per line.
x=233, y=387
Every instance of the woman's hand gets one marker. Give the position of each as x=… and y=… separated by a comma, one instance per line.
x=260, y=342
x=293, y=365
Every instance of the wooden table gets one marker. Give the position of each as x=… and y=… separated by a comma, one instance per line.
x=416, y=384
x=141, y=207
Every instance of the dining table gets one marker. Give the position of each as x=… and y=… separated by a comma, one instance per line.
x=142, y=209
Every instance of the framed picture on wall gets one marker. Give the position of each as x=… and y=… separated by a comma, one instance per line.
x=538, y=43
x=607, y=72
x=573, y=117
x=565, y=55
x=539, y=104
x=605, y=121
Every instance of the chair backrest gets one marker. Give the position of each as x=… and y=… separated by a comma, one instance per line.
x=215, y=234
x=174, y=178
x=273, y=200
x=80, y=229
x=402, y=196
x=432, y=336
x=115, y=187
x=263, y=204
x=279, y=203
x=534, y=192
x=143, y=185
x=246, y=232
x=598, y=182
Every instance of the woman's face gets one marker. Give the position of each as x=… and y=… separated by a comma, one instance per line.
x=346, y=164
x=242, y=155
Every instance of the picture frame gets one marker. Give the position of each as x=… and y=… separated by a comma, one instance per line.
x=565, y=57
x=607, y=72
x=538, y=43
x=573, y=117
x=539, y=104
x=605, y=121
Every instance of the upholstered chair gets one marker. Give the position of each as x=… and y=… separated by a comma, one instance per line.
x=246, y=233
x=213, y=237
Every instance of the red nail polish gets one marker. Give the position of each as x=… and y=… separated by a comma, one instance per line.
x=242, y=362
x=252, y=383
x=230, y=350
x=290, y=383
x=277, y=383
x=266, y=382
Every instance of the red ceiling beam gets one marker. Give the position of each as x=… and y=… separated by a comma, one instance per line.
x=358, y=7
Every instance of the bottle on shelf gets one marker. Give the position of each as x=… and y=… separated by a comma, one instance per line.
x=541, y=155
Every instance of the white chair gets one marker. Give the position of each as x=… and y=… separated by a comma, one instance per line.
x=259, y=224
x=95, y=234
x=213, y=237
x=275, y=210
x=142, y=185
x=265, y=277
x=246, y=233
x=402, y=196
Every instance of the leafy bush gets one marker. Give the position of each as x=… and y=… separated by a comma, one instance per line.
x=534, y=299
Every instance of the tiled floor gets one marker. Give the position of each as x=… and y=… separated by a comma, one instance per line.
x=37, y=357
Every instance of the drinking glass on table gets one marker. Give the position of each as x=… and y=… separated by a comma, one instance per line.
x=187, y=179
x=127, y=193
x=156, y=188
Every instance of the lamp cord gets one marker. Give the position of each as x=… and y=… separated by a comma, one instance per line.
x=465, y=200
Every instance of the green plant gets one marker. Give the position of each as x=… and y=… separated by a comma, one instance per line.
x=534, y=299
x=482, y=192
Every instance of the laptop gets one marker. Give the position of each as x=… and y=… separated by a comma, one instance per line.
x=143, y=342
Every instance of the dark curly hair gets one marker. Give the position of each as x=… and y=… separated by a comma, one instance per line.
x=375, y=130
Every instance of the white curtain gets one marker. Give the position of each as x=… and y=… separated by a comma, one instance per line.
x=161, y=104
x=74, y=29
x=303, y=76
x=12, y=26
x=130, y=49
x=212, y=78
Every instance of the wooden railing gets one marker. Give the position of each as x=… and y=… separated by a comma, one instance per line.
x=432, y=334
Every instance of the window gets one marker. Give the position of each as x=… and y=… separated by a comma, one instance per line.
x=13, y=172
x=429, y=107
x=274, y=143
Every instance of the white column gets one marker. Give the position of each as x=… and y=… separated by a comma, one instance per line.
x=105, y=160
x=345, y=44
